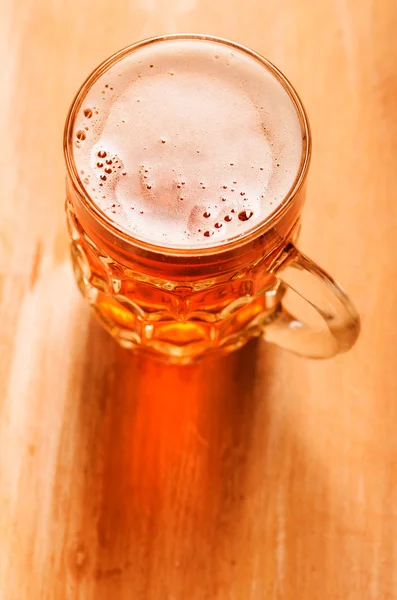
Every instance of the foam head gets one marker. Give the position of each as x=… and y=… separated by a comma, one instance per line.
x=187, y=143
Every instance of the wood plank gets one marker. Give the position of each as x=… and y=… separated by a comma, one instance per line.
x=260, y=475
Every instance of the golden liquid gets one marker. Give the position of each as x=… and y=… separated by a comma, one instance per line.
x=179, y=316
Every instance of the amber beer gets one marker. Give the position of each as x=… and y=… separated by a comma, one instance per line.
x=186, y=161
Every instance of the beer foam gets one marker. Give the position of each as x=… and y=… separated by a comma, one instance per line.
x=187, y=143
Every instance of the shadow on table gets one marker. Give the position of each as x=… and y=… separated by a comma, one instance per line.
x=169, y=447
x=175, y=458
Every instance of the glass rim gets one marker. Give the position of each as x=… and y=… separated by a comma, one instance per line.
x=229, y=243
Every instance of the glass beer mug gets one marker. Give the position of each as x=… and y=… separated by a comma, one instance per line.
x=187, y=157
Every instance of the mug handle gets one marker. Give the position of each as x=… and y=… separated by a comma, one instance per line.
x=339, y=323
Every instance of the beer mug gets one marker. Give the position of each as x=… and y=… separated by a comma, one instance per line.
x=187, y=158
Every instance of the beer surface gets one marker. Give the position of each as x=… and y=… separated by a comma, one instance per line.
x=187, y=143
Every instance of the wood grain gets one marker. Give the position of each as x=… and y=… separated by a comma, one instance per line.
x=257, y=476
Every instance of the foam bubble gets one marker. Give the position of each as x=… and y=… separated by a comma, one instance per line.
x=244, y=215
x=184, y=141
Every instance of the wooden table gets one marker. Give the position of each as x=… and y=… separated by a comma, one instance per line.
x=262, y=475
